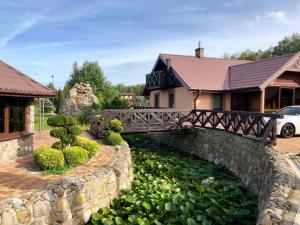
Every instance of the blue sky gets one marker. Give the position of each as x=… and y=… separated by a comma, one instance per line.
x=44, y=38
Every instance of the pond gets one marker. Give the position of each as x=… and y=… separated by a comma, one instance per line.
x=171, y=188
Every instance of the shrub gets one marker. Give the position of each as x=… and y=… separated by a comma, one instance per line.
x=75, y=156
x=76, y=130
x=58, y=132
x=92, y=147
x=65, y=128
x=113, y=138
x=57, y=121
x=115, y=125
x=57, y=145
x=48, y=158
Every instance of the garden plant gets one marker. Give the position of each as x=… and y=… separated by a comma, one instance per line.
x=170, y=189
x=113, y=137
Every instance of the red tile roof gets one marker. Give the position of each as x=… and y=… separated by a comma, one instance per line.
x=216, y=74
x=254, y=74
x=202, y=74
x=14, y=82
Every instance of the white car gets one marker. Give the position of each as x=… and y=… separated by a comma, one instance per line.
x=289, y=125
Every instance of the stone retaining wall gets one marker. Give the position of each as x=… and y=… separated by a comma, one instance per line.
x=263, y=170
x=72, y=200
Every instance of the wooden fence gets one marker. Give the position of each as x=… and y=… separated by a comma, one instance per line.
x=142, y=120
x=256, y=126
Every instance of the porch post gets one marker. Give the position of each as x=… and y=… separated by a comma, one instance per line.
x=262, y=101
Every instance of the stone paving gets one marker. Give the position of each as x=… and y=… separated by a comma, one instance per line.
x=288, y=145
x=18, y=176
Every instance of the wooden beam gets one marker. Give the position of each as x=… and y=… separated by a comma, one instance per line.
x=262, y=101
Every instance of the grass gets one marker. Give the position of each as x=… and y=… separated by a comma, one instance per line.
x=37, y=121
x=57, y=171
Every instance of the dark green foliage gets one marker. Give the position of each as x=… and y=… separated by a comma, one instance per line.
x=48, y=158
x=117, y=103
x=65, y=128
x=57, y=121
x=57, y=145
x=136, y=89
x=115, y=125
x=92, y=147
x=172, y=189
x=75, y=156
x=76, y=130
x=84, y=118
x=290, y=44
x=113, y=138
x=58, y=132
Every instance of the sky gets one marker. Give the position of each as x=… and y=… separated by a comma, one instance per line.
x=45, y=37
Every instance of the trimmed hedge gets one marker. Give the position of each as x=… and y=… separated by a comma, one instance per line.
x=48, y=158
x=115, y=125
x=75, y=156
x=57, y=121
x=58, y=132
x=113, y=138
x=92, y=147
x=76, y=129
x=57, y=145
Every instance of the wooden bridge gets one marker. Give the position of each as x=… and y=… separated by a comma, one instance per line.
x=256, y=126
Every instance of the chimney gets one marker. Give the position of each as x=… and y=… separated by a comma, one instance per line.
x=199, y=52
x=168, y=64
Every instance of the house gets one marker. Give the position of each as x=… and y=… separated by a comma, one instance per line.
x=186, y=82
x=127, y=96
x=17, y=93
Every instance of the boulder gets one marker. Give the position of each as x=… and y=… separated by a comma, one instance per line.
x=78, y=100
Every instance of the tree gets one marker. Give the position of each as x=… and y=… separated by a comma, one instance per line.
x=91, y=73
x=290, y=44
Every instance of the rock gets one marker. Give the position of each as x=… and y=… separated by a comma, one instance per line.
x=7, y=218
x=48, y=196
x=39, y=209
x=16, y=203
x=62, y=205
x=79, y=99
x=23, y=216
x=80, y=199
x=86, y=216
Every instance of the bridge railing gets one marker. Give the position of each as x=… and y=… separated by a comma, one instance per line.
x=141, y=120
x=256, y=126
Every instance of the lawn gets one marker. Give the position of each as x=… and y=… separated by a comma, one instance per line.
x=170, y=188
x=37, y=121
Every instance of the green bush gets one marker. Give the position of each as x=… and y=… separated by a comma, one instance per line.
x=57, y=145
x=48, y=158
x=58, y=132
x=76, y=129
x=65, y=128
x=115, y=125
x=75, y=156
x=92, y=147
x=57, y=121
x=113, y=138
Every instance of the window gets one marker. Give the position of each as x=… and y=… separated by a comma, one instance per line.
x=156, y=100
x=12, y=116
x=171, y=100
x=218, y=101
x=272, y=99
x=289, y=111
x=16, y=115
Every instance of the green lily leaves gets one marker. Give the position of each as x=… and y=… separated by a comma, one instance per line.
x=170, y=189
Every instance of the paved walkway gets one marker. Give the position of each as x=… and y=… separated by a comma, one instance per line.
x=17, y=176
x=288, y=145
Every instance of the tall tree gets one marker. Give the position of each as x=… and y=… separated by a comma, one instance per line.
x=290, y=44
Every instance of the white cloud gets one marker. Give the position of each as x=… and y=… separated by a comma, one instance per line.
x=185, y=8
x=298, y=6
x=279, y=15
x=26, y=25
x=47, y=45
x=232, y=3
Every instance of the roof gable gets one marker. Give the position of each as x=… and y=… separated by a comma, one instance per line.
x=201, y=73
x=14, y=82
x=258, y=74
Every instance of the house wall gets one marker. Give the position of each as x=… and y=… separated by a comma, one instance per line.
x=204, y=101
x=20, y=146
